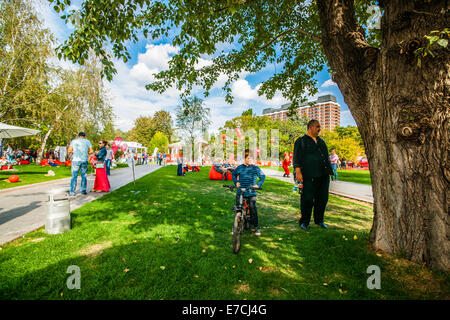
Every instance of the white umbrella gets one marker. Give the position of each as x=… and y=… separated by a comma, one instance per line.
x=8, y=131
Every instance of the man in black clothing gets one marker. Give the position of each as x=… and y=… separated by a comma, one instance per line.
x=312, y=168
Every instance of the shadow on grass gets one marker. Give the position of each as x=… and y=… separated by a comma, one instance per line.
x=173, y=241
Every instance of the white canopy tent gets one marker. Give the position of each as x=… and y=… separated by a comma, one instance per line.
x=9, y=131
x=174, y=149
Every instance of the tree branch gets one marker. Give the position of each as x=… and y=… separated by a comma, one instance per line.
x=314, y=37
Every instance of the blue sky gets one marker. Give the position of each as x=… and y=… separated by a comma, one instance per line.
x=130, y=99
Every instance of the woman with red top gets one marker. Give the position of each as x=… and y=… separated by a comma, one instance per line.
x=101, y=179
x=286, y=163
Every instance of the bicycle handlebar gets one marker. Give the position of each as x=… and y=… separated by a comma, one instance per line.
x=231, y=187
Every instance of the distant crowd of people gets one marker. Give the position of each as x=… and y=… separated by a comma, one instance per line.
x=18, y=155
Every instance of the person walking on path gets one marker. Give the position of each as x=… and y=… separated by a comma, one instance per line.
x=101, y=179
x=286, y=164
x=180, y=164
x=165, y=159
x=108, y=159
x=80, y=148
x=312, y=168
x=334, y=159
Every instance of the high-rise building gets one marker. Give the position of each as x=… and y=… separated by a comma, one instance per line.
x=325, y=109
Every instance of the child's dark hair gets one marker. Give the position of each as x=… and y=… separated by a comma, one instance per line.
x=246, y=153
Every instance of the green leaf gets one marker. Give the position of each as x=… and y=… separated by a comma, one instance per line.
x=433, y=39
x=443, y=42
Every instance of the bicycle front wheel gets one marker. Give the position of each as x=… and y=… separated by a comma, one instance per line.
x=237, y=231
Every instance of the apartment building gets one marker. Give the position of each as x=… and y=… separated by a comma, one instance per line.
x=325, y=109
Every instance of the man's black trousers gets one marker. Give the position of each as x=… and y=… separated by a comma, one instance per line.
x=314, y=195
x=251, y=202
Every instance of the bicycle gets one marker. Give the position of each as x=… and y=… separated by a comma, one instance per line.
x=241, y=216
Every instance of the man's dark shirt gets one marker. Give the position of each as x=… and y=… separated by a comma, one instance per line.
x=313, y=160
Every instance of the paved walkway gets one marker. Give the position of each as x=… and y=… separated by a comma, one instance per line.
x=357, y=191
x=23, y=209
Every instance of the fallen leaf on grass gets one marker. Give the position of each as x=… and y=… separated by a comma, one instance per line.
x=250, y=260
x=284, y=289
x=280, y=239
x=342, y=291
x=126, y=270
x=123, y=259
x=234, y=267
x=134, y=241
x=196, y=276
x=162, y=267
x=189, y=261
x=379, y=254
x=325, y=284
x=204, y=250
x=61, y=294
x=355, y=237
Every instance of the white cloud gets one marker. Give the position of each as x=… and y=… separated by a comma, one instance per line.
x=328, y=83
x=157, y=56
x=241, y=89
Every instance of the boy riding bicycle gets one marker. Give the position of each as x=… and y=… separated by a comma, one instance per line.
x=247, y=174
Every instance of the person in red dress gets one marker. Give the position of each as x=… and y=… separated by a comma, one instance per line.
x=101, y=179
x=286, y=163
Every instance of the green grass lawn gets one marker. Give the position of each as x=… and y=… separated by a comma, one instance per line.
x=173, y=241
x=31, y=173
x=357, y=176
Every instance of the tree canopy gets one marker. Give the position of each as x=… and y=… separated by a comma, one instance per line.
x=36, y=93
x=270, y=32
x=146, y=127
x=159, y=141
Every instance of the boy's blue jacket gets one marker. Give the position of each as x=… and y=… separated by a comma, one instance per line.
x=247, y=178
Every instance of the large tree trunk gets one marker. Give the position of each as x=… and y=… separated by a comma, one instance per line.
x=402, y=113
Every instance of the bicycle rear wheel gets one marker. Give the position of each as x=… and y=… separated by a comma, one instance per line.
x=237, y=231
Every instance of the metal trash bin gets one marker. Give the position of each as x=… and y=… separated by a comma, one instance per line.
x=58, y=212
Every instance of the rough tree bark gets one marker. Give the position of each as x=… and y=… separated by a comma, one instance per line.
x=402, y=113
